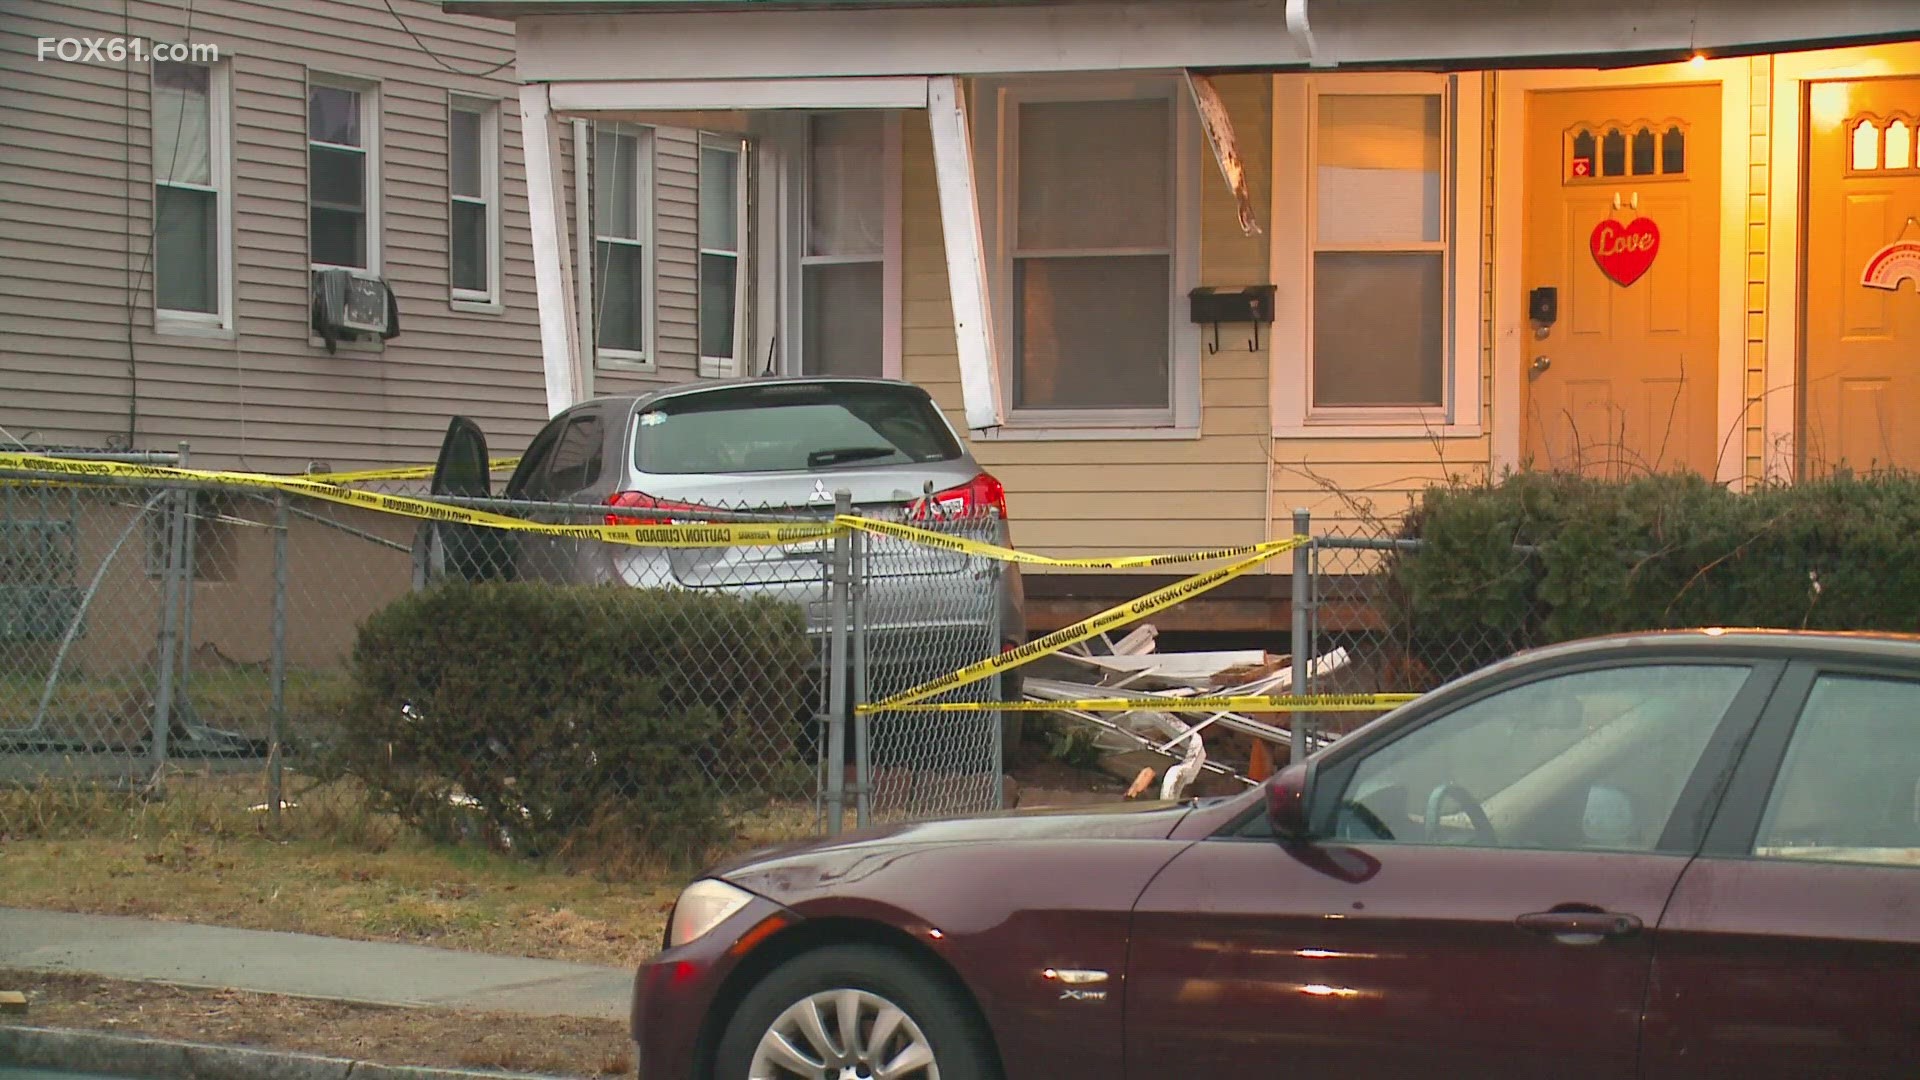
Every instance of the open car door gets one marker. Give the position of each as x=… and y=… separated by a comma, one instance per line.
x=469, y=552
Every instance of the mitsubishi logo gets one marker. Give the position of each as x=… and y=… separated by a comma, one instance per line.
x=820, y=493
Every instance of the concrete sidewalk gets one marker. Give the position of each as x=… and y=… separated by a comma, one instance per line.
x=307, y=966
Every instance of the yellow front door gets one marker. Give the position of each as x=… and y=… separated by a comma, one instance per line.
x=1861, y=406
x=1623, y=221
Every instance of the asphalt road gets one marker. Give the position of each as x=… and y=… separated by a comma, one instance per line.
x=7, y=1073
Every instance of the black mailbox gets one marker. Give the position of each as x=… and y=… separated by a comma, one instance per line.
x=1212, y=305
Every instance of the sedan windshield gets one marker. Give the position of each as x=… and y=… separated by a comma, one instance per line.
x=792, y=427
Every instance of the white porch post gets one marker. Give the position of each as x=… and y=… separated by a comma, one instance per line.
x=552, y=254
x=966, y=255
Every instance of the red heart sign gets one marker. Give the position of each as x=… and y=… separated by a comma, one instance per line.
x=1625, y=252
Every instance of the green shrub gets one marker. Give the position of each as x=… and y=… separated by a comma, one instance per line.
x=1542, y=557
x=569, y=719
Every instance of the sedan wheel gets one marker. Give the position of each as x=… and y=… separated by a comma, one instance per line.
x=855, y=1012
x=844, y=1034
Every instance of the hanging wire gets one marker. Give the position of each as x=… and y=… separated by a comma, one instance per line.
x=435, y=57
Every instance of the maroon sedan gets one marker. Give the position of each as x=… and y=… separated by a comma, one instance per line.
x=1666, y=855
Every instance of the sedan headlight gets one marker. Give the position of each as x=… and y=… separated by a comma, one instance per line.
x=702, y=906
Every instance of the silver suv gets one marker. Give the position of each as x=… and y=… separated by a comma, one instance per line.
x=769, y=445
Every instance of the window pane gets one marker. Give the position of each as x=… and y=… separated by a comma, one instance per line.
x=717, y=275
x=1094, y=174
x=619, y=271
x=576, y=458
x=1849, y=789
x=616, y=170
x=1091, y=333
x=1379, y=328
x=182, y=123
x=841, y=312
x=846, y=192
x=333, y=115
x=338, y=177
x=186, y=261
x=468, y=268
x=782, y=427
x=338, y=237
x=1590, y=760
x=1378, y=167
x=719, y=199
x=1643, y=152
x=464, y=154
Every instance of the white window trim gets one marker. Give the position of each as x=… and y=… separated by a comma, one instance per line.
x=1292, y=252
x=794, y=145
x=218, y=323
x=642, y=361
x=726, y=367
x=369, y=91
x=478, y=301
x=995, y=137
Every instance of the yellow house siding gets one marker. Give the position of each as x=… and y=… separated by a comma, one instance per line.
x=1759, y=205
x=1097, y=497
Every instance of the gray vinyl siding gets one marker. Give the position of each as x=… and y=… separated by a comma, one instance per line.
x=76, y=213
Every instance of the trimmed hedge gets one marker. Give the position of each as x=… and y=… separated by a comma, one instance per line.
x=1656, y=552
x=574, y=718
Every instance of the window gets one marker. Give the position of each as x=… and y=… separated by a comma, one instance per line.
x=192, y=263
x=623, y=245
x=789, y=427
x=723, y=218
x=1849, y=788
x=575, y=464
x=1376, y=254
x=1093, y=248
x=473, y=201
x=1587, y=760
x=848, y=215
x=1658, y=150
x=343, y=174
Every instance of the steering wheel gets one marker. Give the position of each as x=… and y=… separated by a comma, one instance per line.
x=1470, y=806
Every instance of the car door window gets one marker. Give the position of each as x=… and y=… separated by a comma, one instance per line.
x=534, y=462
x=572, y=464
x=1589, y=760
x=1849, y=787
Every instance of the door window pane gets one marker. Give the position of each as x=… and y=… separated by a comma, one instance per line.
x=841, y=311
x=1589, y=760
x=1091, y=333
x=718, y=291
x=846, y=197
x=1379, y=328
x=1849, y=789
x=576, y=458
x=1378, y=161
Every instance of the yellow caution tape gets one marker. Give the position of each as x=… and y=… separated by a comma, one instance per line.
x=1240, y=703
x=1157, y=600
x=713, y=535
x=400, y=472
x=929, y=538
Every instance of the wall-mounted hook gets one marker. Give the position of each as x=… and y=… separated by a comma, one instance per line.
x=1214, y=345
x=1635, y=200
x=1254, y=345
x=1616, y=200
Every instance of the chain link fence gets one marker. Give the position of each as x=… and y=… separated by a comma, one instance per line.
x=150, y=629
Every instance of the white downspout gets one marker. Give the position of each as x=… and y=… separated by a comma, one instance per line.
x=1302, y=32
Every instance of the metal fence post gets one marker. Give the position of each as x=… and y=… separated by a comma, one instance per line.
x=189, y=533
x=1299, y=603
x=862, y=733
x=839, y=612
x=277, y=716
x=169, y=626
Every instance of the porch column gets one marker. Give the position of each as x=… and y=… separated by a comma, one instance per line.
x=966, y=255
x=552, y=255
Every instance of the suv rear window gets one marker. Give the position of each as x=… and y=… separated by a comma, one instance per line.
x=792, y=427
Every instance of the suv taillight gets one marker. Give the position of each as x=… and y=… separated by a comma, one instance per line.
x=640, y=500
x=976, y=496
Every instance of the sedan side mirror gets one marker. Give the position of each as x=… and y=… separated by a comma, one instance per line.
x=1289, y=796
